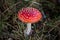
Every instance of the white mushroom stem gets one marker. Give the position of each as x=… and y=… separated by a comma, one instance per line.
x=28, y=29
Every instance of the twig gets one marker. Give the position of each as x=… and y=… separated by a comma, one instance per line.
x=11, y=7
x=52, y=29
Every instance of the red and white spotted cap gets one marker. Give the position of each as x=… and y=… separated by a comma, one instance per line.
x=29, y=15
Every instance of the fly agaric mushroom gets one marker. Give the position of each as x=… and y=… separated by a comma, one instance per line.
x=29, y=15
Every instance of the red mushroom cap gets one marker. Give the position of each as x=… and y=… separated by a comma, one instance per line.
x=29, y=15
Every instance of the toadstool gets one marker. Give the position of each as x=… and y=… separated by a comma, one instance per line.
x=29, y=15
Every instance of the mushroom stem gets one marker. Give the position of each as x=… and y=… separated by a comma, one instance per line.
x=28, y=28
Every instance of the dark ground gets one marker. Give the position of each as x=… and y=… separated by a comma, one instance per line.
x=46, y=29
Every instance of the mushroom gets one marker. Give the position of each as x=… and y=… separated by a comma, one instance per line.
x=29, y=15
